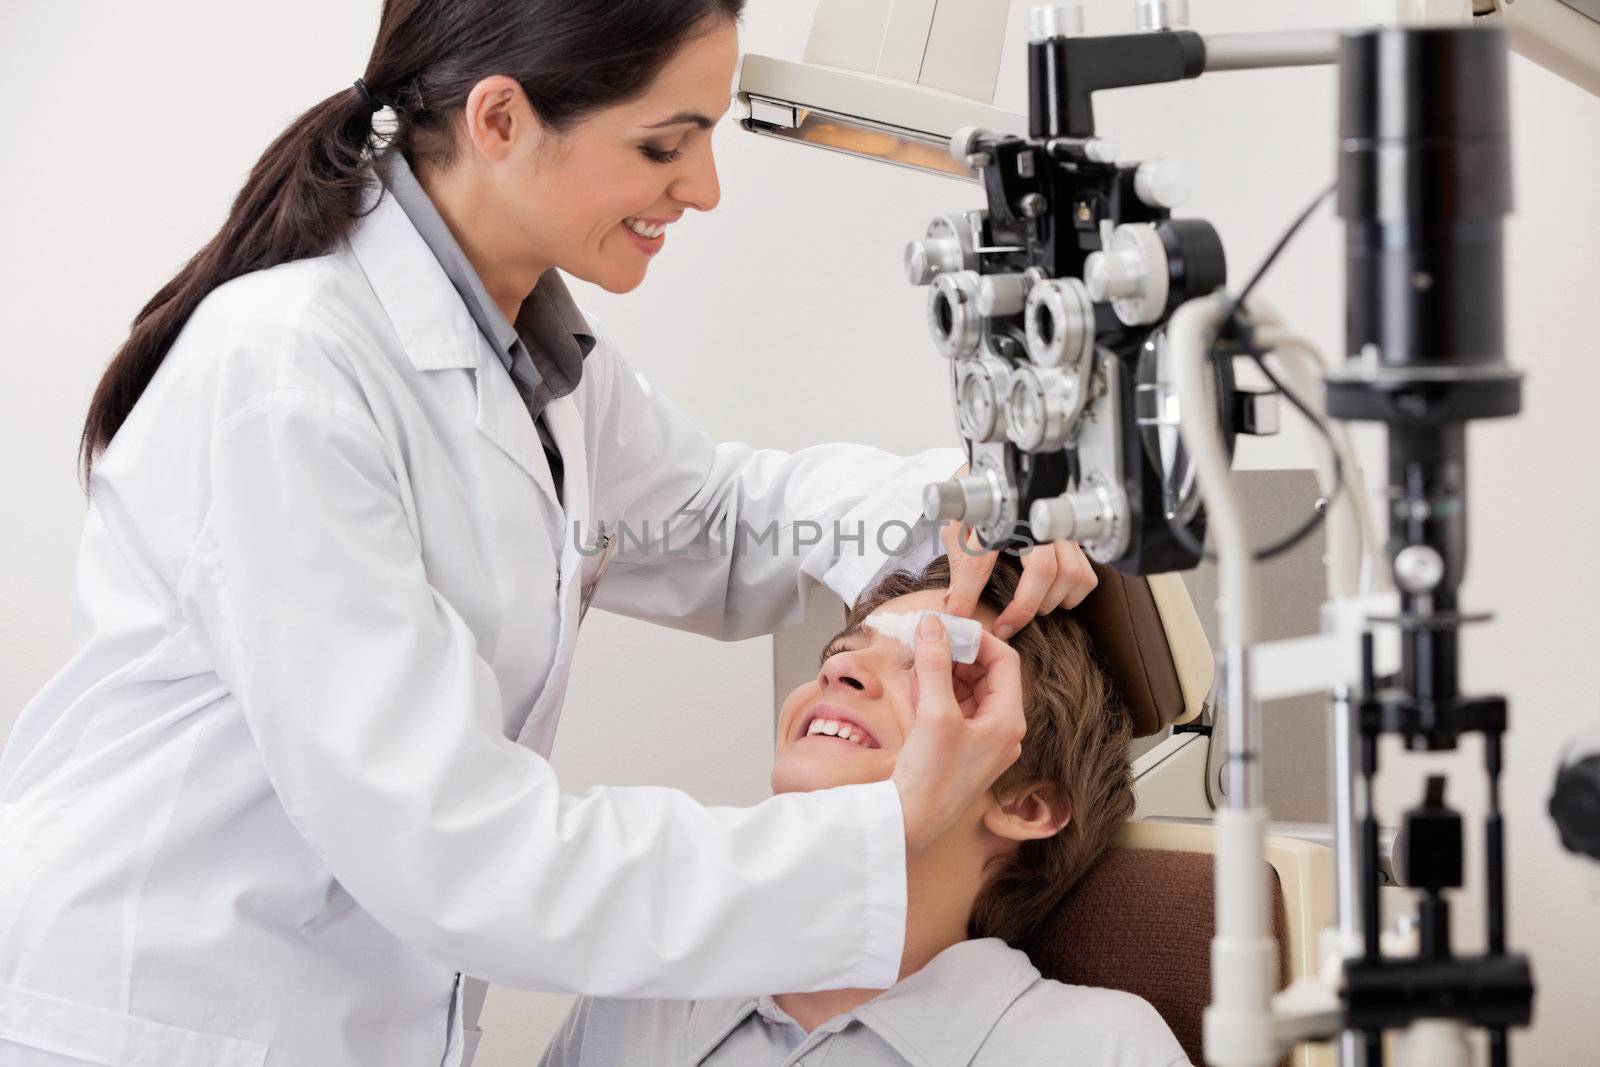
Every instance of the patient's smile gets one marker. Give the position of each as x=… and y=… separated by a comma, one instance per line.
x=847, y=724
x=824, y=721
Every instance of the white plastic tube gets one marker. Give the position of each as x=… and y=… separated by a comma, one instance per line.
x=1238, y=1023
x=1189, y=337
x=964, y=634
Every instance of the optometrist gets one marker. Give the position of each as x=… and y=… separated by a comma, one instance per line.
x=293, y=786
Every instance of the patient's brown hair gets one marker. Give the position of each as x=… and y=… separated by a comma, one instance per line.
x=1077, y=742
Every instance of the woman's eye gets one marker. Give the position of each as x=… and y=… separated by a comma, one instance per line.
x=661, y=155
x=832, y=650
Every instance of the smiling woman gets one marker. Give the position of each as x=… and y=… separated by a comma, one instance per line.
x=328, y=602
x=532, y=186
x=509, y=125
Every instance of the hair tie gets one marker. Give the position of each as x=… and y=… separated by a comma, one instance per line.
x=367, y=97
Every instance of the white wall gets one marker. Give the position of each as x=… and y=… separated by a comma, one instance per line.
x=783, y=319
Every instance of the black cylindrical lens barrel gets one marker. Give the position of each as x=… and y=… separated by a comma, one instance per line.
x=1424, y=188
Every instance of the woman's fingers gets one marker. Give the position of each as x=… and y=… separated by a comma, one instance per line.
x=970, y=568
x=1075, y=575
x=1075, y=579
x=1001, y=680
x=953, y=753
x=1059, y=589
x=1038, y=573
x=931, y=661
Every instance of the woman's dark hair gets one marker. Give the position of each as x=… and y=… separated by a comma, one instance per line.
x=572, y=58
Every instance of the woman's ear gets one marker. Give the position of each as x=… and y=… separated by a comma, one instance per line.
x=1029, y=814
x=499, y=120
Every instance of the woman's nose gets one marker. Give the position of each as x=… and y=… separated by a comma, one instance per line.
x=699, y=187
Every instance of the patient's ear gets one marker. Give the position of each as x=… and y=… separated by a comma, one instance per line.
x=1029, y=814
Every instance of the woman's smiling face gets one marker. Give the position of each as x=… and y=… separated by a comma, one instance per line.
x=846, y=725
x=597, y=199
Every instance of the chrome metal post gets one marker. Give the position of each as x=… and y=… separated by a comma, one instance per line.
x=1349, y=1051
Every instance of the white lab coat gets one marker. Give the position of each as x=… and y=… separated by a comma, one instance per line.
x=293, y=782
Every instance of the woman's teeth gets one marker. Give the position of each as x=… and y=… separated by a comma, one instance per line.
x=648, y=230
x=833, y=728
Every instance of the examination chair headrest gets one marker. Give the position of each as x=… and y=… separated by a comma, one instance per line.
x=1151, y=639
x=1141, y=921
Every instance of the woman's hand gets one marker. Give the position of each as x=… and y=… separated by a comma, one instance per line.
x=1054, y=575
x=968, y=730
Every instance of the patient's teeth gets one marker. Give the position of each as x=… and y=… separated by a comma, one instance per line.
x=842, y=730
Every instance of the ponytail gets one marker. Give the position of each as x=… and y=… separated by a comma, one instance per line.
x=299, y=201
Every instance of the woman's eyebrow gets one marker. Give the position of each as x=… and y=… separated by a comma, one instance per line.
x=693, y=118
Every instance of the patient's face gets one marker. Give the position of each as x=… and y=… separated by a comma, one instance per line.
x=865, y=683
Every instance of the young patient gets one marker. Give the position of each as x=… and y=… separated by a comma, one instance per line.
x=965, y=996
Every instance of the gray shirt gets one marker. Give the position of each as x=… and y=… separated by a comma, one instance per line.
x=976, y=1004
x=544, y=349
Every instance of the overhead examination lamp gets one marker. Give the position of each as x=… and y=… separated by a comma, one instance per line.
x=894, y=80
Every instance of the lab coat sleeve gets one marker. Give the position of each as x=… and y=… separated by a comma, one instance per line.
x=379, y=726
x=725, y=539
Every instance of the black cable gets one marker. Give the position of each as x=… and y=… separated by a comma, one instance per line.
x=1283, y=242
x=1235, y=326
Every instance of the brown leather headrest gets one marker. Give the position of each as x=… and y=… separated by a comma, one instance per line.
x=1141, y=920
x=1127, y=627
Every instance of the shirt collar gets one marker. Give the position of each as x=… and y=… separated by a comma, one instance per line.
x=938, y=1017
x=548, y=322
x=711, y=1021
x=942, y=1015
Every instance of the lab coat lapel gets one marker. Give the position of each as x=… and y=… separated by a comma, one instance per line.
x=503, y=418
x=565, y=421
x=438, y=332
x=566, y=427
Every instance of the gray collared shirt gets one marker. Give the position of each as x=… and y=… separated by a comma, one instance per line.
x=544, y=349
x=976, y=1004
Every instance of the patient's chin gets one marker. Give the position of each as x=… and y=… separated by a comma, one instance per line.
x=806, y=772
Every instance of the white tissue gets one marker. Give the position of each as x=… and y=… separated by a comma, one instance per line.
x=964, y=634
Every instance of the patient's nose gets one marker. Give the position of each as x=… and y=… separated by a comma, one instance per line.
x=850, y=670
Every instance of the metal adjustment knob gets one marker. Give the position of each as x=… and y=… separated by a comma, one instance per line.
x=1091, y=149
x=1055, y=20
x=930, y=257
x=1077, y=516
x=1000, y=295
x=1163, y=15
x=1131, y=273
x=943, y=502
x=968, y=140
x=1060, y=323
x=1161, y=183
x=1113, y=275
x=981, y=389
x=1418, y=569
x=947, y=247
x=953, y=318
x=1094, y=516
x=1041, y=407
x=971, y=499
